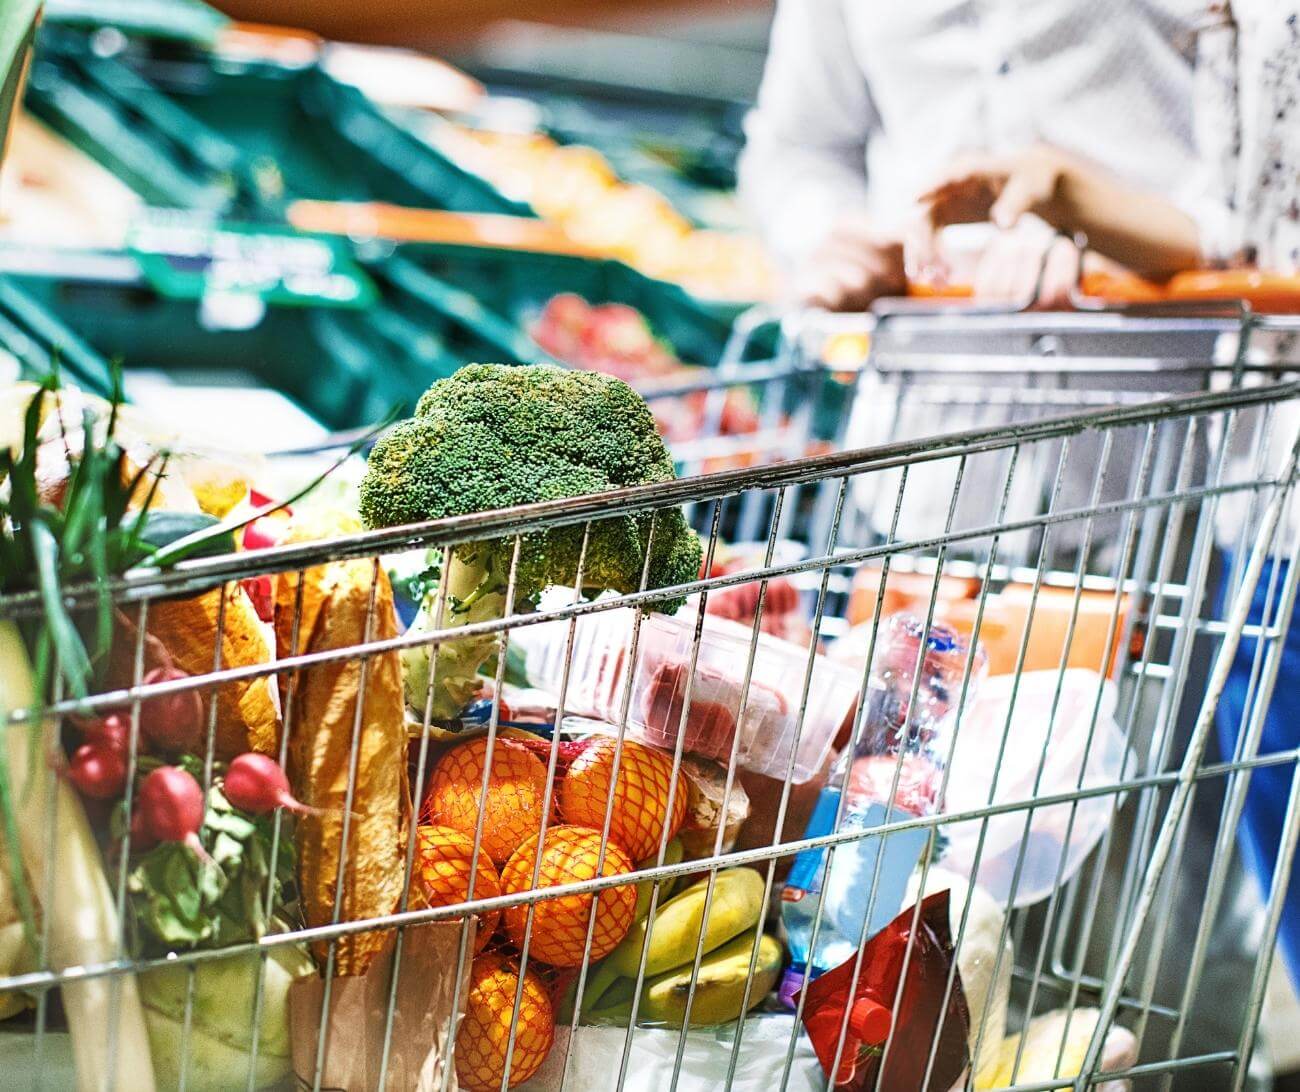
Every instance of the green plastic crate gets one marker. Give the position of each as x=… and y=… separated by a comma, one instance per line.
x=652, y=135
x=192, y=130
x=244, y=139
x=513, y=286
x=347, y=367
x=40, y=342
x=177, y=20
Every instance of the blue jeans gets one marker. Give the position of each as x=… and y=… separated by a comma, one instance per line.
x=1260, y=832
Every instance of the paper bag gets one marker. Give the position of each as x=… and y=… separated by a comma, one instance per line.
x=420, y=1043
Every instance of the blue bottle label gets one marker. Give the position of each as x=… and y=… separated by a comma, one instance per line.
x=806, y=872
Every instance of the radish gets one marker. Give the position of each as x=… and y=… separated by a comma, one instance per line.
x=98, y=771
x=172, y=722
x=255, y=783
x=112, y=732
x=171, y=808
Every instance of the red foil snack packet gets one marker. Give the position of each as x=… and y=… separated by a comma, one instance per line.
x=915, y=1022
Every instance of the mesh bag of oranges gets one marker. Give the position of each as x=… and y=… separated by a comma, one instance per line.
x=508, y=1024
x=536, y=831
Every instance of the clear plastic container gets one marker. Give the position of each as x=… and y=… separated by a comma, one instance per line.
x=662, y=682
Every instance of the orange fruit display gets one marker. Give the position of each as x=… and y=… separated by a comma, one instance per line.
x=559, y=932
x=484, y=1036
x=442, y=868
x=515, y=801
x=641, y=805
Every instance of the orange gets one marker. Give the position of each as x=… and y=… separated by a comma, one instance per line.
x=641, y=807
x=515, y=794
x=560, y=925
x=442, y=867
x=484, y=1035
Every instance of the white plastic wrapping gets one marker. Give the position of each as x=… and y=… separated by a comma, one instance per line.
x=1046, y=753
x=597, y=1054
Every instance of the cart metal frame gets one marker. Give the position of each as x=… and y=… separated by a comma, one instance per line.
x=1185, y=469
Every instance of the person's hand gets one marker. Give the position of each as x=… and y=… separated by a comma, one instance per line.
x=1027, y=267
x=854, y=267
x=998, y=188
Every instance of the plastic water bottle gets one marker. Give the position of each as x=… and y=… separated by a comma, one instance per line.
x=901, y=748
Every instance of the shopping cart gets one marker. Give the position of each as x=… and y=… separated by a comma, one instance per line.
x=1127, y=561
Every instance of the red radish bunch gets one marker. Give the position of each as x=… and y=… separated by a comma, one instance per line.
x=141, y=838
x=98, y=771
x=112, y=732
x=255, y=783
x=98, y=767
x=172, y=722
x=170, y=808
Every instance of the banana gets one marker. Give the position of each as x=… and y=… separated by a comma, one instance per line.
x=719, y=987
x=737, y=907
x=615, y=1006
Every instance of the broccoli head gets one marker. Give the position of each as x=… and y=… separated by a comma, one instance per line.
x=495, y=436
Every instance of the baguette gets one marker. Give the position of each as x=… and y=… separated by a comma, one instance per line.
x=248, y=717
x=323, y=731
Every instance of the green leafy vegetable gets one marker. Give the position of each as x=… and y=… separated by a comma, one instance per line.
x=163, y=528
x=86, y=533
x=98, y=524
x=178, y=901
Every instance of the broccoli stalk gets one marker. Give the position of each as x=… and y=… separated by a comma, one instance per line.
x=494, y=436
x=474, y=594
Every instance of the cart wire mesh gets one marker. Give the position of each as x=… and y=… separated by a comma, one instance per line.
x=1087, y=519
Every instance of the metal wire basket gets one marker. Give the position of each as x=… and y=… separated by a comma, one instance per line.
x=1085, y=545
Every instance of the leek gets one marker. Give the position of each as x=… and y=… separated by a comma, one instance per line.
x=80, y=919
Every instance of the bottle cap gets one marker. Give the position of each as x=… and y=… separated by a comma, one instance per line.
x=870, y=1021
x=792, y=981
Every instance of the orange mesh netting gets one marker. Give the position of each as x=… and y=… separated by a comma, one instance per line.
x=484, y=1036
x=559, y=930
x=645, y=778
x=515, y=795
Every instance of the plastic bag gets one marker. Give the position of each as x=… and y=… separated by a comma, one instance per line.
x=1080, y=753
x=597, y=1054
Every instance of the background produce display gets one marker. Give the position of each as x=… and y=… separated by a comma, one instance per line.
x=208, y=127
x=577, y=187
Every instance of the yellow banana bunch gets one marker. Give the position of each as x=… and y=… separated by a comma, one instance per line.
x=737, y=905
x=719, y=987
x=730, y=932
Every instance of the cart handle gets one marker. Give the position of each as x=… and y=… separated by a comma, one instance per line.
x=1263, y=291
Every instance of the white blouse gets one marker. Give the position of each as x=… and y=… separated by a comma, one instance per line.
x=864, y=102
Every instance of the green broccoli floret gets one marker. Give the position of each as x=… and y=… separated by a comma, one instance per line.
x=494, y=436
